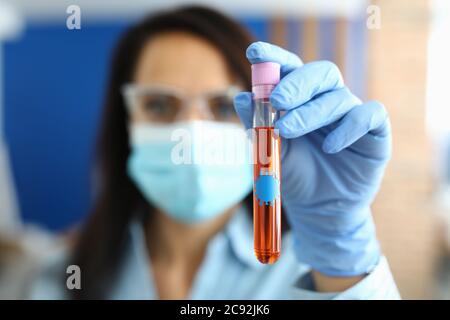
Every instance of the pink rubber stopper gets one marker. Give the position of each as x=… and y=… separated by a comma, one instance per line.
x=265, y=73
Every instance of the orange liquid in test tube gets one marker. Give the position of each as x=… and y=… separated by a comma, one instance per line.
x=266, y=195
x=267, y=165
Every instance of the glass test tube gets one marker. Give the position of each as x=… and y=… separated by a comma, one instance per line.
x=267, y=165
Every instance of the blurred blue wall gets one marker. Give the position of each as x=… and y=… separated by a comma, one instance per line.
x=54, y=84
x=54, y=80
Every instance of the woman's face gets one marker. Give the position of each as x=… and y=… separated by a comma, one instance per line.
x=193, y=68
x=179, y=78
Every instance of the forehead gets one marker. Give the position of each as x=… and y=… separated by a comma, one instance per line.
x=182, y=60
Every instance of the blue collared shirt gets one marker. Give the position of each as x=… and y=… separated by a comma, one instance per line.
x=229, y=271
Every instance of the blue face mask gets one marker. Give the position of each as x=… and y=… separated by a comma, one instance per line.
x=193, y=170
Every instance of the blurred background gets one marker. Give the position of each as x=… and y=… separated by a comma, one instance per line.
x=52, y=82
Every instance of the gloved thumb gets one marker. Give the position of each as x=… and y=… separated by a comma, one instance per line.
x=244, y=108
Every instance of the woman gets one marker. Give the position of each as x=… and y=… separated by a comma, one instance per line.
x=158, y=230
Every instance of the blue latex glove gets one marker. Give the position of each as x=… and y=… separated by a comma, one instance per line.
x=334, y=152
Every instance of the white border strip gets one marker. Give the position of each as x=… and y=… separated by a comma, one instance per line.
x=56, y=9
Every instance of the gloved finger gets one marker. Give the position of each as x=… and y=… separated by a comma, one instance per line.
x=244, y=108
x=262, y=52
x=370, y=117
x=304, y=83
x=317, y=113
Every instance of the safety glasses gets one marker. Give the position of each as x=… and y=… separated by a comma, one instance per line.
x=164, y=104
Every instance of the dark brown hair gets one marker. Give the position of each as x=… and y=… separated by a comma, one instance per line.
x=100, y=245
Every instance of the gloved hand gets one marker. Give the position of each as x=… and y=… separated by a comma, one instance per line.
x=334, y=152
